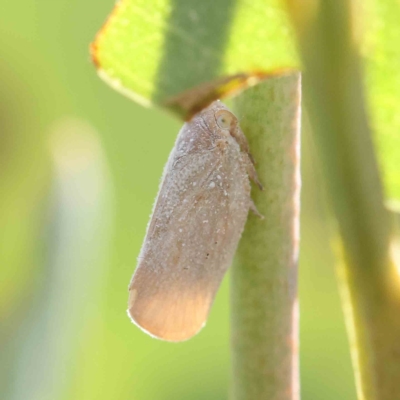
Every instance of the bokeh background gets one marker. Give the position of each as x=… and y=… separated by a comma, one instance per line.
x=79, y=170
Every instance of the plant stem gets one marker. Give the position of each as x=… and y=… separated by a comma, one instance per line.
x=333, y=87
x=264, y=274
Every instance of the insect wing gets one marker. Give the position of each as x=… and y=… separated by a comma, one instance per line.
x=197, y=222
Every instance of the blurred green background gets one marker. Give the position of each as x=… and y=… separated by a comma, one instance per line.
x=80, y=168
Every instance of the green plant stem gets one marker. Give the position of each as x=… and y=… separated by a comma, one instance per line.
x=264, y=274
x=333, y=87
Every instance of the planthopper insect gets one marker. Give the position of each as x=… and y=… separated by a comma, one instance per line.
x=197, y=221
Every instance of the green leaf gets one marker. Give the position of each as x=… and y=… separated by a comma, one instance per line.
x=158, y=51
x=382, y=54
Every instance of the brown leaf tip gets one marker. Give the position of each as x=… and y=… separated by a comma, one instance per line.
x=95, y=45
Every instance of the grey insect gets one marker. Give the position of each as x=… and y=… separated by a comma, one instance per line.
x=197, y=221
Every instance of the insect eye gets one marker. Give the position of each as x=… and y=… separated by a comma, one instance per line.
x=224, y=119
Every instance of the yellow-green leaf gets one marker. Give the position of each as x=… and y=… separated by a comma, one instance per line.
x=382, y=55
x=159, y=50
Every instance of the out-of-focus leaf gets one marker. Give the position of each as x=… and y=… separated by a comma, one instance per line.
x=376, y=30
x=56, y=319
x=381, y=49
x=156, y=50
x=335, y=87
